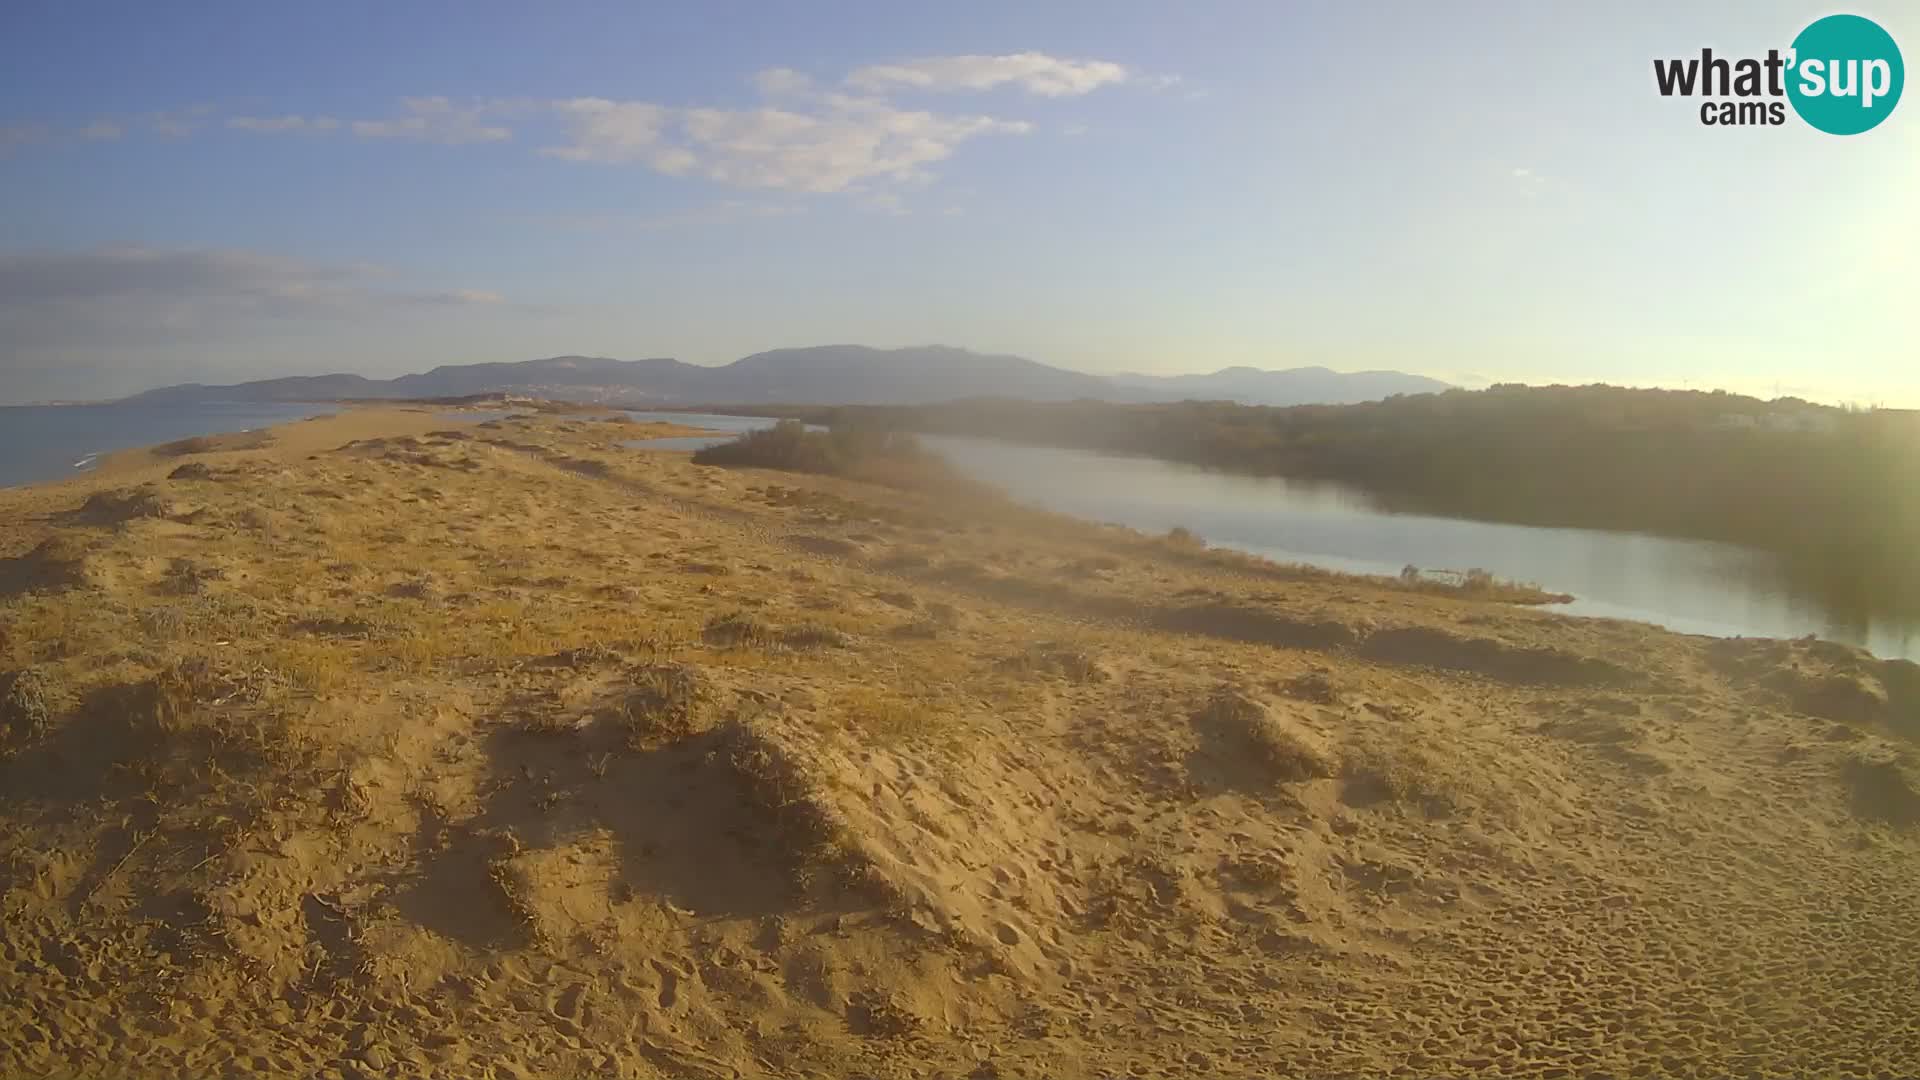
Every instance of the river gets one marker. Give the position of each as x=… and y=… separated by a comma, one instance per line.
x=1693, y=586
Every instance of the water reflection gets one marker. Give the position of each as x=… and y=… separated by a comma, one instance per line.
x=1688, y=585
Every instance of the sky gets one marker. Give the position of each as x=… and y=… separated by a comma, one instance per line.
x=222, y=191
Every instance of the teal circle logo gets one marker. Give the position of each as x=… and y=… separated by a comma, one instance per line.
x=1845, y=75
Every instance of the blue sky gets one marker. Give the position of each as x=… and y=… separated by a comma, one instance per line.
x=221, y=191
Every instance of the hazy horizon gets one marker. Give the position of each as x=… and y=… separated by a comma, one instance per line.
x=1492, y=193
x=1120, y=375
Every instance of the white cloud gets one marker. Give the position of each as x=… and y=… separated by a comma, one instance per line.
x=782, y=82
x=275, y=125
x=832, y=144
x=177, y=123
x=611, y=130
x=806, y=137
x=436, y=119
x=1036, y=73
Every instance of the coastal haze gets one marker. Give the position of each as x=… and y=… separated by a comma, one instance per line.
x=1001, y=540
x=828, y=374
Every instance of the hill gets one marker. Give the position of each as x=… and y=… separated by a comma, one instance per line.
x=823, y=374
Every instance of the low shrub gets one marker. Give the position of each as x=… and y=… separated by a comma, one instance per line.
x=1283, y=750
x=662, y=706
x=890, y=458
x=26, y=709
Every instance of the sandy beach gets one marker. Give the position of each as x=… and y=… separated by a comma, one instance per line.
x=399, y=745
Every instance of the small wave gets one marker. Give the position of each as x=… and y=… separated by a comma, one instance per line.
x=86, y=461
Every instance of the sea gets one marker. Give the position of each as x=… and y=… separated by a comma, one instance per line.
x=49, y=442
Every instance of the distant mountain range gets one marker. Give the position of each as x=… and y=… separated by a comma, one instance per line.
x=821, y=375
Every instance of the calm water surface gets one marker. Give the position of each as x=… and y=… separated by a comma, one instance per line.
x=47, y=442
x=733, y=425
x=1693, y=586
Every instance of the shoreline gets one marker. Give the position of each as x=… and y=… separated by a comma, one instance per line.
x=108, y=463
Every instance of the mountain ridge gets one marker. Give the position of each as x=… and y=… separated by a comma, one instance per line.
x=818, y=374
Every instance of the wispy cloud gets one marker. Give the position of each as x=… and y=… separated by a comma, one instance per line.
x=438, y=120
x=1034, y=72
x=606, y=130
x=173, y=123
x=278, y=125
x=781, y=82
x=725, y=212
x=824, y=144
x=177, y=123
x=840, y=135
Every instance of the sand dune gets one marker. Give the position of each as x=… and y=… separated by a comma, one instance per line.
x=396, y=746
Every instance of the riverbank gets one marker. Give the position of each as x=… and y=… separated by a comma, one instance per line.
x=1828, y=491
x=398, y=746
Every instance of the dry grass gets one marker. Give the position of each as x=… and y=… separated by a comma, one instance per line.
x=814, y=635
x=203, y=444
x=1283, y=750
x=1883, y=786
x=26, y=705
x=738, y=630
x=549, y=723
x=1313, y=686
x=885, y=717
x=1438, y=781
x=319, y=667
x=809, y=831
x=1066, y=661
x=663, y=705
x=114, y=507
x=511, y=891
x=61, y=561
